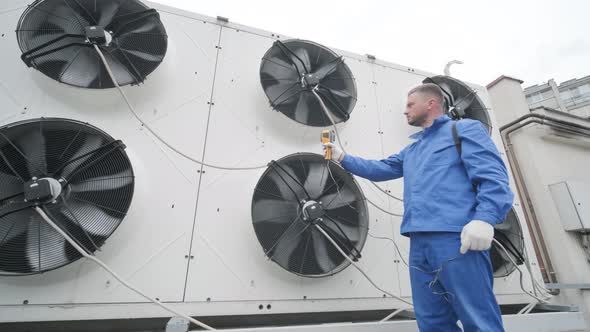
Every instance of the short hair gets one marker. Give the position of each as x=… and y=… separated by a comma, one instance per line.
x=430, y=89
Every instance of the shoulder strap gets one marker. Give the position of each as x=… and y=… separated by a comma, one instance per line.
x=456, y=137
x=457, y=140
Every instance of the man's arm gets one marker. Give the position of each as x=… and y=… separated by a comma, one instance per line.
x=375, y=170
x=485, y=168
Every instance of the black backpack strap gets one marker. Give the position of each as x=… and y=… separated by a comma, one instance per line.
x=456, y=137
x=458, y=146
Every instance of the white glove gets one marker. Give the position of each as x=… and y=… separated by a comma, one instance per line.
x=476, y=235
x=337, y=153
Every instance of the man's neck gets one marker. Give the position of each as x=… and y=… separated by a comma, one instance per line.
x=428, y=122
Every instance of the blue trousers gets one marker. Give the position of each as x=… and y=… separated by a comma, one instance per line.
x=444, y=292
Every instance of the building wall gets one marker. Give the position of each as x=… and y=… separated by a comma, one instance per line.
x=571, y=96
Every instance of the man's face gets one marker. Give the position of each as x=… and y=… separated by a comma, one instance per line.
x=417, y=108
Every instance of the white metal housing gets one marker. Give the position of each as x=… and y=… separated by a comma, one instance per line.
x=188, y=238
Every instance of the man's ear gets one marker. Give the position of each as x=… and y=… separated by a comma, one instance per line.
x=431, y=103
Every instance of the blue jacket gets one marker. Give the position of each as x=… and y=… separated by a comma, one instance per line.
x=438, y=183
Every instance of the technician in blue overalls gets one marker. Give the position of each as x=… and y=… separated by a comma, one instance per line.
x=451, y=203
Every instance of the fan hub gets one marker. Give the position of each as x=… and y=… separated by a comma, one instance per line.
x=312, y=211
x=309, y=80
x=96, y=34
x=42, y=191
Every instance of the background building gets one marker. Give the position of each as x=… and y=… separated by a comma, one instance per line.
x=571, y=96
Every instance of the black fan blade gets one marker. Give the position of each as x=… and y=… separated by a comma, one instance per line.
x=335, y=103
x=102, y=183
x=33, y=146
x=272, y=231
x=108, y=11
x=297, y=174
x=287, y=97
x=343, y=230
x=146, y=25
x=277, y=69
x=316, y=180
x=302, y=109
x=303, y=54
x=465, y=102
x=58, y=13
x=292, y=177
x=342, y=94
x=281, y=50
x=348, y=214
x=45, y=247
x=143, y=56
x=277, y=88
x=287, y=188
x=285, y=248
x=124, y=70
x=499, y=263
x=10, y=185
x=46, y=30
x=91, y=143
x=13, y=242
x=266, y=209
x=52, y=67
x=89, y=218
x=343, y=197
x=84, y=70
x=328, y=68
x=325, y=255
x=12, y=225
x=281, y=92
x=81, y=12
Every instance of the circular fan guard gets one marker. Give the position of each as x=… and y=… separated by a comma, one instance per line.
x=298, y=192
x=509, y=234
x=57, y=37
x=92, y=184
x=291, y=69
x=461, y=102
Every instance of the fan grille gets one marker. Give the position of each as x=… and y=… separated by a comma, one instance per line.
x=509, y=234
x=462, y=100
x=291, y=69
x=280, y=223
x=52, y=36
x=97, y=187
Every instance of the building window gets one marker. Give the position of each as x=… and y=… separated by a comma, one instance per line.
x=535, y=98
x=576, y=96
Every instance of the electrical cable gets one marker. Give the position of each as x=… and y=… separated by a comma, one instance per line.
x=521, y=274
x=163, y=141
x=325, y=109
x=358, y=267
x=533, y=281
x=115, y=275
x=395, y=313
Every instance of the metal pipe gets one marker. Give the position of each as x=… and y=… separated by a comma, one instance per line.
x=533, y=224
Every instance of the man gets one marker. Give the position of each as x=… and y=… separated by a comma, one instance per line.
x=452, y=200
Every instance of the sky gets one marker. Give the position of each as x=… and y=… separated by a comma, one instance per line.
x=531, y=40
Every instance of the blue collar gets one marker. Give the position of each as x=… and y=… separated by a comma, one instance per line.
x=437, y=123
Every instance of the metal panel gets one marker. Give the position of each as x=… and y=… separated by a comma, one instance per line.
x=154, y=238
x=391, y=87
x=231, y=125
x=244, y=131
x=572, y=199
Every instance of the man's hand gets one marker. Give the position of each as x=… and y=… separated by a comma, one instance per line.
x=476, y=235
x=337, y=153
